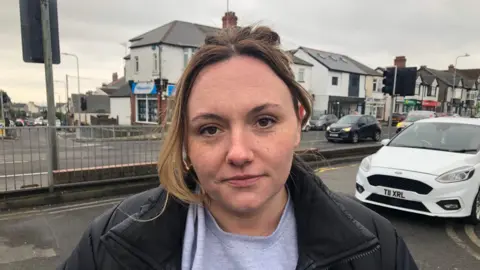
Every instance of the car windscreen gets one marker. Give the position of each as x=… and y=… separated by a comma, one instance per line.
x=349, y=119
x=451, y=137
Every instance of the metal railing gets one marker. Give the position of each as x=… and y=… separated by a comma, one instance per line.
x=24, y=152
x=86, y=153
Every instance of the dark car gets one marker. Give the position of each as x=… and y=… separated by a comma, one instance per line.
x=321, y=122
x=397, y=118
x=354, y=128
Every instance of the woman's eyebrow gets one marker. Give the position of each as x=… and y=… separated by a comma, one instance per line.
x=216, y=117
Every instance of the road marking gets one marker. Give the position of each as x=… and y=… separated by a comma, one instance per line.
x=470, y=231
x=325, y=169
x=59, y=209
x=453, y=235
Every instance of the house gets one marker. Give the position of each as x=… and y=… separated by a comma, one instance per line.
x=61, y=107
x=108, y=89
x=456, y=94
x=302, y=71
x=162, y=54
x=97, y=105
x=33, y=109
x=338, y=82
x=120, y=104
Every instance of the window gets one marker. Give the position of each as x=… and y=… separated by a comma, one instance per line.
x=147, y=110
x=137, y=64
x=374, y=85
x=187, y=54
x=449, y=137
x=301, y=72
x=155, y=62
x=417, y=89
x=334, y=80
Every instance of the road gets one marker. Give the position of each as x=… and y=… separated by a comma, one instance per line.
x=435, y=243
x=24, y=162
x=41, y=238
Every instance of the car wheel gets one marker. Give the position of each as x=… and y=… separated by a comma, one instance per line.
x=307, y=128
x=474, y=217
x=355, y=137
x=376, y=137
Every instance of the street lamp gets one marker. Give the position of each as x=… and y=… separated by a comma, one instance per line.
x=78, y=86
x=455, y=71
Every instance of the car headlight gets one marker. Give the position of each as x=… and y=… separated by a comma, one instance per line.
x=328, y=128
x=347, y=129
x=457, y=175
x=401, y=124
x=366, y=163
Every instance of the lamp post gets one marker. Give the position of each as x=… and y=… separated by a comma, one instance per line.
x=455, y=71
x=78, y=85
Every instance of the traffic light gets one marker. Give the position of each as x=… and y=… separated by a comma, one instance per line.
x=83, y=103
x=31, y=29
x=406, y=78
x=388, y=81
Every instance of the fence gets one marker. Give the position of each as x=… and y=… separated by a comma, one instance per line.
x=106, y=151
x=86, y=153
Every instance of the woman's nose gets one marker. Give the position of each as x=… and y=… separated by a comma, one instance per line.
x=239, y=151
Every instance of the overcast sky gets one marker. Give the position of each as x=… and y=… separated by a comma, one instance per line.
x=427, y=32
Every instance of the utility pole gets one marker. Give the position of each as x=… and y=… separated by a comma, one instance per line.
x=1, y=106
x=47, y=51
x=392, y=104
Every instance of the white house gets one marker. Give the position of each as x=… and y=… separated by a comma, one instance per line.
x=338, y=82
x=303, y=72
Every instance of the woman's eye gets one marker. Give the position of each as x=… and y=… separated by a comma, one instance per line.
x=265, y=122
x=209, y=131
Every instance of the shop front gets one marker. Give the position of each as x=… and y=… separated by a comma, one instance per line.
x=411, y=105
x=375, y=107
x=430, y=105
x=341, y=106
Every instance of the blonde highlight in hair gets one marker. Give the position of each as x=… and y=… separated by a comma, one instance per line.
x=258, y=42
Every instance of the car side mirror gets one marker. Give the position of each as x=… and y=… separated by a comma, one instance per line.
x=385, y=141
x=361, y=124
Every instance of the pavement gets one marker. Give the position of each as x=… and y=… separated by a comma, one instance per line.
x=42, y=238
x=24, y=162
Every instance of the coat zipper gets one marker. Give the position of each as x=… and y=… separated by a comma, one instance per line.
x=356, y=257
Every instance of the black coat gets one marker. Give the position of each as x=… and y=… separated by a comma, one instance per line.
x=334, y=232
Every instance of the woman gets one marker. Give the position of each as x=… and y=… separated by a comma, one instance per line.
x=233, y=195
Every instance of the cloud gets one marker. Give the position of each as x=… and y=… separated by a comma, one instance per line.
x=427, y=32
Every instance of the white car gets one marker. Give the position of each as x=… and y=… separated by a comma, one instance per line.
x=430, y=168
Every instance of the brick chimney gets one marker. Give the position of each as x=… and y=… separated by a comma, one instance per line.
x=114, y=76
x=400, y=61
x=229, y=19
x=451, y=68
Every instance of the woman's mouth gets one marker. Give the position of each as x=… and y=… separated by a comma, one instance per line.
x=243, y=180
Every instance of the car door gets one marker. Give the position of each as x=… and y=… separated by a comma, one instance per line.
x=372, y=125
x=363, y=127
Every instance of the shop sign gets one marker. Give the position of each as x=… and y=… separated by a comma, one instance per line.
x=144, y=88
x=411, y=102
x=430, y=103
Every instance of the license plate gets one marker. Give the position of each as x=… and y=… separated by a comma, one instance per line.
x=333, y=135
x=393, y=193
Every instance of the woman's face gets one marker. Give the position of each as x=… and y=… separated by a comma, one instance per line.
x=242, y=131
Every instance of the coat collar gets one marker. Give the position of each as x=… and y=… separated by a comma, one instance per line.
x=326, y=232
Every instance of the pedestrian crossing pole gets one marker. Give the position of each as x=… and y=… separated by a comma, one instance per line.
x=47, y=52
x=392, y=104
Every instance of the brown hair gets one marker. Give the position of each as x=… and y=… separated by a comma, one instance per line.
x=258, y=42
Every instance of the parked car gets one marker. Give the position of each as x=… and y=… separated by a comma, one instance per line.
x=321, y=122
x=414, y=116
x=354, y=128
x=430, y=168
